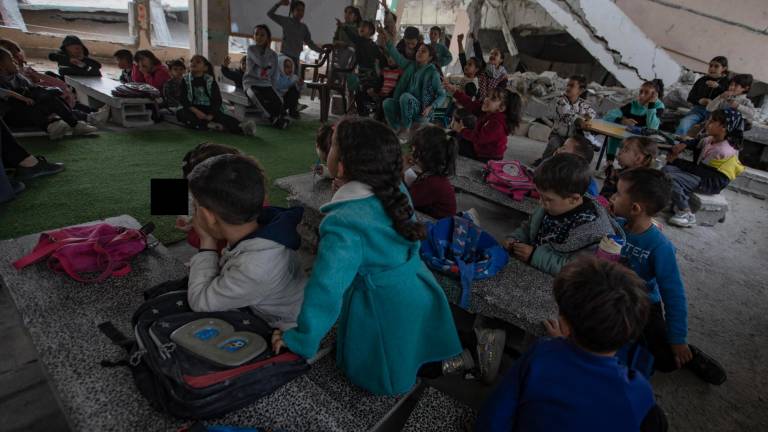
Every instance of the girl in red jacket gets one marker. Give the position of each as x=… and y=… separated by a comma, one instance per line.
x=150, y=70
x=498, y=115
x=434, y=159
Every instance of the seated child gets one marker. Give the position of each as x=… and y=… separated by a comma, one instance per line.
x=201, y=101
x=567, y=223
x=471, y=67
x=390, y=75
x=173, y=88
x=581, y=146
x=715, y=164
x=602, y=307
x=704, y=90
x=125, y=62
x=434, y=156
x=368, y=277
x=736, y=98
x=288, y=86
x=568, y=108
x=150, y=70
x=322, y=148
x=367, y=55
x=261, y=74
x=641, y=194
x=234, y=75
x=494, y=73
x=260, y=267
x=444, y=56
x=636, y=152
x=73, y=59
x=498, y=115
x=31, y=105
x=409, y=43
x=645, y=111
x=352, y=21
x=41, y=79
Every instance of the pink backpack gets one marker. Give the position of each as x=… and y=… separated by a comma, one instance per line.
x=511, y=178
x=102, y=250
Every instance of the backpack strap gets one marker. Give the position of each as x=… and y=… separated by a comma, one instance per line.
x=60, y=262
x=116, y=336
x=48, y=244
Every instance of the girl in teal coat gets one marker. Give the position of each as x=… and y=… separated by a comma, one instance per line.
x=393, y=316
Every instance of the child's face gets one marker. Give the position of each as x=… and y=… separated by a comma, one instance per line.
x=621, y=202
x=495, y=57
x=197, y=66
x=715, y=128
x=206, y=219
x=298, y=13
x=434, y=36
x=737, y=89
x=124, y=63
x=569, y=146
x=646, y=95
x=365, y=31
x=146, y=64
x=630, y=155
x=349, y=15
x=715, y=70
x=555, y=205
x=288, y=67
x=20, y=57
x=177, y=72
x=75, y=51
x=470, y=70
x=573, y=89
x=422, y=55
x=8, y=66
x=260, y=37
x=411, y=43
x=493, y=103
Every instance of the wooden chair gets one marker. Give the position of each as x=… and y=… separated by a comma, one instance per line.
x=337, y=64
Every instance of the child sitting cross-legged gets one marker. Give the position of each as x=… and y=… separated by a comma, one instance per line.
x=288, y=86
x=73, y=59
x=568, y=221
x=636, y=152
x=581, y=146
x=704, y=90
x=573, y=382
x=126, y=65
x=260, y=267
x=434, y=156
x=736, y=97
x=174, y=87
x=641, y=194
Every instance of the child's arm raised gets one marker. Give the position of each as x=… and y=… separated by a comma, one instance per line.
x=401, y=61
x=279, y=19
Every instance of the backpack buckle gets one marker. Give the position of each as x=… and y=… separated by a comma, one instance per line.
x=136, y=358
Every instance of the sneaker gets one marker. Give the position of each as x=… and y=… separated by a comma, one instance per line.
x=18, y=187
x=705, y=367
x=281, y=123
x=215, y=126
x=460, y=363
x=683, y=219
x=100, y=116
x=490, y=348
x=472, y=214
x=302, y=107
x=57, y=130
x=41, y=168
x=83, y=128
x=248, y=127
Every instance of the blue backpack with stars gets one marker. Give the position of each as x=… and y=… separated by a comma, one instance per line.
x=199, y=365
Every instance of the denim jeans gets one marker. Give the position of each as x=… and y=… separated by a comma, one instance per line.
x=697, y=115
x=684, y=184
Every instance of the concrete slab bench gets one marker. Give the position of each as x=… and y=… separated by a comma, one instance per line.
x=713, y=209
x=62, y=315
x=243, y=106
x=97, y=91
x=436, y=411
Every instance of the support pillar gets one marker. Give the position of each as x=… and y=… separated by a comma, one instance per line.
x=215, y=24
x=143, y=30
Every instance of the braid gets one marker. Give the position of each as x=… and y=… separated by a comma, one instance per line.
x=371, y=154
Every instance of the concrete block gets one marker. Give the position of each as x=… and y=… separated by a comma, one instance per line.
x=522, y=128
x=713, y=209
x=537, y=108
x=539, y=132
x=752, y=182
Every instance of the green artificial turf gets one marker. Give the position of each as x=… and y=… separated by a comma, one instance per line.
x=109, y=174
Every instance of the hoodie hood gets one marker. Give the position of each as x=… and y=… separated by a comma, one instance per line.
x=281, y=59
x=591, y=232
x=278, y=225
x=70, y=40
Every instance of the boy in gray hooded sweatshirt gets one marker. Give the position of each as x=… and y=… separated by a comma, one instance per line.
x=259, y=268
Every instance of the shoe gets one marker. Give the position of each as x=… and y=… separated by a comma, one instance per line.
x=472, y=214
x=248, y=127
x=41, y=168
x=460, y=363
x=490, y=348
x=695, y=202
x=705, y=367
x=295, y=115
x=683, y=219
x=281, y=123
x=83, y=128
x=18, y=187
x=215, y=126
x=301, y=107
x=57, y=130
x=100, y=116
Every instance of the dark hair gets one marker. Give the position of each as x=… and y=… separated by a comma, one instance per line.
x=722, y=61
x=735, y=137
x=501, y=53
x=14, y=48
x=646, y=146
x=466, y=118
x=584, y=147
x=513, y=104
x=208, y=65
x=744, y=80
x=435, y=151
x=371, y=154
x=123, y=54
x=356, y=11
x=411, y=33
x=656, y=84
x=648, y=186
x=436, y=28
x=266, y=30
x=369, y=24
x=204, y=151
x=176, y=63
x=605, y=303
x=5, y=54
x=432, y=54
x=581, y=79
x=563, y=174
x=147, y=54
x=231, y=186
x=294, y=5
x=478, y=64
x=324, y=138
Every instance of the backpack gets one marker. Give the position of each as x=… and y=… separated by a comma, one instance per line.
x=458, y=247
x=510, y=177
x=136, y=90
x=101, y=250
x=180, y=378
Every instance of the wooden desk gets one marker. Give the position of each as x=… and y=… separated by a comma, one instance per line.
x=612, y=130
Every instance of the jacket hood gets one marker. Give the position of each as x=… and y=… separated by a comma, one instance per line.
x=278, y=225
x=73, y=40
x=281, y=59
x=591, y=233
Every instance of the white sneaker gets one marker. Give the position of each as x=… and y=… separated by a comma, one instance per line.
x=683, y=219
x=248, y=127
x=57, y=130
x=215, y=126
x=472, y=213
x=83, y=128
x=99, y=117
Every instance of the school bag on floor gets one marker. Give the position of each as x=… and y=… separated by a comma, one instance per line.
x=458, y=247
x=136, y=90
x=91, y=253
x=199, y=365
x=510, y=177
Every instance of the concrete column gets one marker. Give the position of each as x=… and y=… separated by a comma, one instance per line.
x=143, y=31
x=195, y=27
x=215, y=20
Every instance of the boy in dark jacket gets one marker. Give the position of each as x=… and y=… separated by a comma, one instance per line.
x=704, y=90
x=234, y=75
x=73, y=59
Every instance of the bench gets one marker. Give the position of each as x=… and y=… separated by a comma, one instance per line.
x=713, y=209
x=97, y=91
x=436, y=411
x=243, y=107
x=61, y=316
x=469, y=178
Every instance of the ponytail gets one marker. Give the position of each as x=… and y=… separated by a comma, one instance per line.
x=435, y=151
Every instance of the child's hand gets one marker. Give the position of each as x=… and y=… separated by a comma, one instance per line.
x=712, y=84
x=408, y=161
x=183, y=223
x=628, y=122
x=682, y=354
x=450, y=87
x=337, y=184
x=26, y=100
x=285, y=2
x=277, y=341
x=457, y=126
x=704, y=101
x=206, y=239
x=209, y=117
x=734, y=104
x=339, y=23
x=522, y=251
x=553, y=328
x=425, y=112
x=460, y=38
x=76, y=62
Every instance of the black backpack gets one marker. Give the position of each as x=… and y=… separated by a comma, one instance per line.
x=183, y=384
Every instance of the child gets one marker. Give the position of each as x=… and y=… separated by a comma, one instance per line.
x=494, y=74
x=471, y=67
x=261, y=74
x=32, y=105
x=150, y=70
x=703, y=91
x=368, y=56
x=368, y=278
x=234, y=75
x=287, y=86
x=444, y=56
x=567, y=223
x=295, y=32
x=568, y=108
x=174, y=87
x=498, y=115
x=581, y=146
x=322, y=148
x=409, y=44
x=73, y=59
x=602, y=307
x=736, y=98
x=641, y=194
x=260, y=268
x=642, y=112
x=636, y=152
x=201, y=100
x=716, y=163
x=434, y=154
x=125, y=62
x=418, y=91
x=352, y=21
